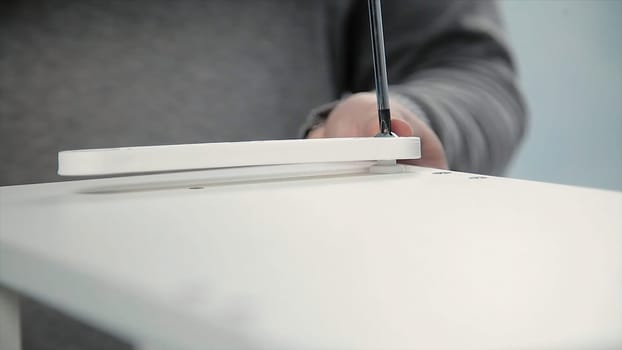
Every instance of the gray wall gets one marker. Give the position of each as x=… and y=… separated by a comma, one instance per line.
x=570, y=60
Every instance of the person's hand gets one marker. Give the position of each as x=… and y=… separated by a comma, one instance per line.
x=357, y=116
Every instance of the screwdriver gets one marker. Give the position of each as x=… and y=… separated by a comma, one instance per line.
x=380, y=67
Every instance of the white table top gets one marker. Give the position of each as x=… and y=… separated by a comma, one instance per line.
x=412, y=260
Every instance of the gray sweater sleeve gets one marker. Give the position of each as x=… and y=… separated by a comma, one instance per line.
x=449, y=61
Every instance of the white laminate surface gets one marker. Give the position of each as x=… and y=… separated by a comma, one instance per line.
x=338, y=259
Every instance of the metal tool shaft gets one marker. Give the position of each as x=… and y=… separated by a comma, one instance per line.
x=380, y=66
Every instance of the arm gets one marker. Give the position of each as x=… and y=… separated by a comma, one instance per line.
x=448, y=66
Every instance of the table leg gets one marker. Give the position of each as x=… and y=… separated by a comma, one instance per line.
x=10, y=330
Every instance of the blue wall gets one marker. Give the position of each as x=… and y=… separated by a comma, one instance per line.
x=569, y=56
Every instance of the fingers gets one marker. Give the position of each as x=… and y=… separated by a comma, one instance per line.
x=398, y=126
x=317, y=132
x=357, y=116
x=401, y=128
